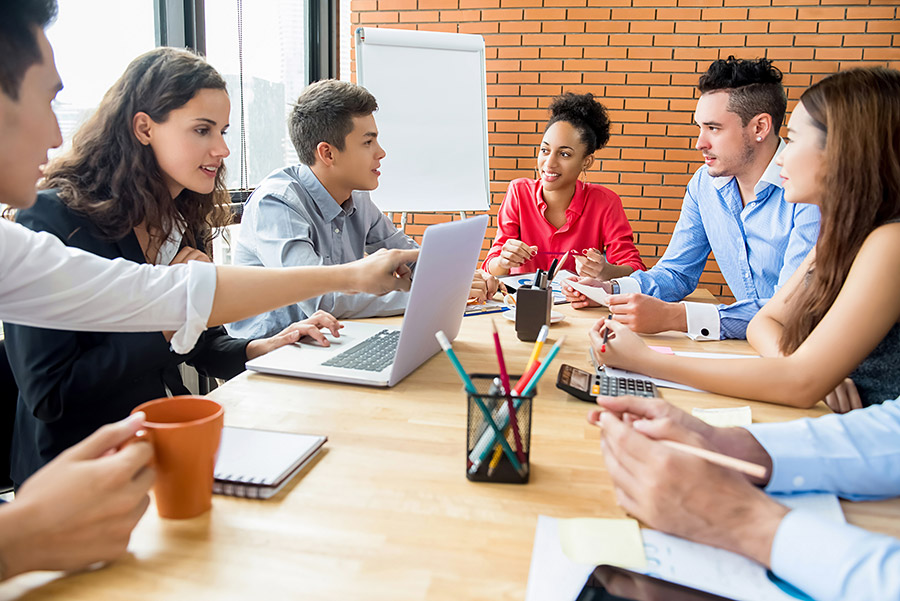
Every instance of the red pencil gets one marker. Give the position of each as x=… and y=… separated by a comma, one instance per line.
x=504, y=378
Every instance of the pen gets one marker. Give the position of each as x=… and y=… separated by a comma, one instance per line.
x=537, y=279
x=470, y=388
x=504, y=378
x=753, y=470
x=606, y=335
x=552, y=269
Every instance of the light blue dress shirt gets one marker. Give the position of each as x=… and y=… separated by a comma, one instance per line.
x=856, y=456
x=291, y=220
x=757, y=246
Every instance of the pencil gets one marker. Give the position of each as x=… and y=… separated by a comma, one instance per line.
x=538, y=344
x=754, y=470
x=504, y=378
x=562, y=262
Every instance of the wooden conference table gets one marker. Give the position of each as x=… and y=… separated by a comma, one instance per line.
x=386, y=511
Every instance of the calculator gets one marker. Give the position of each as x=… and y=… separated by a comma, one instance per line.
x=587, y=386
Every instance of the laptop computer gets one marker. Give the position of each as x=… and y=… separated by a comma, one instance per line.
x=378, y=355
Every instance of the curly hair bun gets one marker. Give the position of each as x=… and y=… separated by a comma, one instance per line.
x=586, y=114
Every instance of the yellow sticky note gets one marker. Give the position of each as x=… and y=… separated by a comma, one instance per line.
x=596, y=541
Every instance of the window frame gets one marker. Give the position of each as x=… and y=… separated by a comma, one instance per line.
x=182, y=24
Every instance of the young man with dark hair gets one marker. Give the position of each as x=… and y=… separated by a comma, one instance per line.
x=319, y=211
x=734, y=207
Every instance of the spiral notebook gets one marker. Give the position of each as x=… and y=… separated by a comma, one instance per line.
x=256, y=464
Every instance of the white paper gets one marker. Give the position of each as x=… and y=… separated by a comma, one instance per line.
x=596, y=294
x=553, y=577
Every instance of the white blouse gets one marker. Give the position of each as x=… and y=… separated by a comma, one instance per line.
x=44, y=283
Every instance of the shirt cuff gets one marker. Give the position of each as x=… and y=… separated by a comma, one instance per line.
x=792, y=449
x=838, y=549
x=628, y=285
x=201, y=289
x=702, y=321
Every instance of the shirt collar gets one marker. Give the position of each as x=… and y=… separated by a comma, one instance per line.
x=771, y=176
x=576, y=205
x=327, y=205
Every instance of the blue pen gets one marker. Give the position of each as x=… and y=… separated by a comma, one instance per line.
x=470, y=388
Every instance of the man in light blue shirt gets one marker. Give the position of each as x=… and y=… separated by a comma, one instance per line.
x=855, y=455
x=734, y=207
x=319, y=212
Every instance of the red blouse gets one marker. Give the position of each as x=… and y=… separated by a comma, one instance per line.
x=595, y=219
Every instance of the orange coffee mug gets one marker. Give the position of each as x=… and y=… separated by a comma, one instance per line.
x=185, y=432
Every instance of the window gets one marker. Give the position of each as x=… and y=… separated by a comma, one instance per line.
x=93, y=42
x=273, y=50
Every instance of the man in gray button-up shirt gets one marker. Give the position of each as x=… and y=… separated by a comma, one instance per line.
x=318, y=212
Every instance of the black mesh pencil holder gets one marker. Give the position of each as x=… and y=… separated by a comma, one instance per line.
x=482, y=462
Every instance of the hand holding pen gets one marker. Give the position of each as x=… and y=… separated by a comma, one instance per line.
x=613, y=344
x=592, y=263
x=513, y=253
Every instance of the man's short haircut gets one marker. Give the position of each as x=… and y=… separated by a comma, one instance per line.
x=19, y=21
x=324, y=112
x=754, y=87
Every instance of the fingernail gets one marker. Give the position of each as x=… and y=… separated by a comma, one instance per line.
x=136, y=418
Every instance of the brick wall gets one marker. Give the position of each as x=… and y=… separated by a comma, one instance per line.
x=643, y=57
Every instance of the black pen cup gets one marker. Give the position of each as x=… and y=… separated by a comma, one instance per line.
x=482, y=463
x=533, y=306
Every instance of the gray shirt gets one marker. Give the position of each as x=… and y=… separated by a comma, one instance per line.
x=291, y=220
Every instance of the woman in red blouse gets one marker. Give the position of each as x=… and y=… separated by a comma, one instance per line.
x=543, y=219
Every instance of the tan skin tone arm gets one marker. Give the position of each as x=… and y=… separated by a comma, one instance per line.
x=859, y=318
x=238, y=288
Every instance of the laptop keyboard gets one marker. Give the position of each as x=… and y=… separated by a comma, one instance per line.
x=612, y=386
x=374, y=354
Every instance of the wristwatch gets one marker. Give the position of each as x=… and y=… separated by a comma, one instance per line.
x=615, y=286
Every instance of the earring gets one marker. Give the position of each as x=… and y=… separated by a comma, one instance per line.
x=759, y=138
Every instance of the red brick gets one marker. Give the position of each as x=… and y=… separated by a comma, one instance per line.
x=678, y=14
x=513, y=52
x=606, y=27
x=892, y=26
x=561, y=52
x=563, y=26
x=724, y=14
x=717, y=41
x=750, y=26
x=771, y=39
x=628, y=66
x=844, y=26
x=698, y=27
x=588, y=14
x=502, y=14
x=478, y=27
x=633, y=14
x=542, y=65
x=652, y=27
x=397, y=5
x=543, y=40
x=773, y=14
x=603, y=78
x=667, y=41
x=820, y=13
x=519, y=27
x=419, y=16
x=379, y=17
x=630, y=39
x=818, y=41
x=868, y=39
x=656, y=79
x=363, y=5
x=793, y=26
x=657, y=53
x=517, y=77
x=839, y=54
x=882, y=54
x=871, y=12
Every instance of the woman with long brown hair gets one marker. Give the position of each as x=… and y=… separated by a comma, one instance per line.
x=837, y=317
x=143, y=181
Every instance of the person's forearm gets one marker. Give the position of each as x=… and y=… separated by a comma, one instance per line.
x=18, y=553
x=617, y=271
x=493, y=267
x=774, y=380
x=739, y=443
x=764, y=334
x=242, y=292
x=753, y=530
